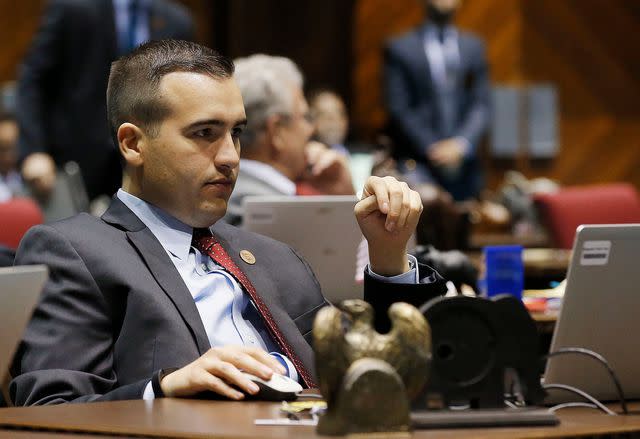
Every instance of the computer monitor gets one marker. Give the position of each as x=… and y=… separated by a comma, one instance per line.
x=323, y=229
x=600, y=312
x=20, y=288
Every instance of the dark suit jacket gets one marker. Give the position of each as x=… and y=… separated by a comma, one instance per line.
x=61, y=94
x=115, y=308
x=414, y=115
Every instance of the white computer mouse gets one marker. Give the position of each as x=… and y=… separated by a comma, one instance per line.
x=278, y=388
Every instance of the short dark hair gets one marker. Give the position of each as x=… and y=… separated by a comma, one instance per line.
x=132, y=93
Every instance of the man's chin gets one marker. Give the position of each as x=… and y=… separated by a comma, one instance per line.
x=209, y=213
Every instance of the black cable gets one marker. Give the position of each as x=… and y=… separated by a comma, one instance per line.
x=585, y=395
x=602, y=360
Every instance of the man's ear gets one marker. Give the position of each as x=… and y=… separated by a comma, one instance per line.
x=273, y=128
x=131, y=142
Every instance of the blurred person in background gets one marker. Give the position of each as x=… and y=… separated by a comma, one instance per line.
x=62, y=84
x=10, y=180
x=329, y=115
x=436, y=88
x=277, y=156
x=331, y=127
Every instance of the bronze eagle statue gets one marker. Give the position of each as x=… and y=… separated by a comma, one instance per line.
x=345, y=334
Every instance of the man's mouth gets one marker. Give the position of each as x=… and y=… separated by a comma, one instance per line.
x=222, y=184
x=221, y=181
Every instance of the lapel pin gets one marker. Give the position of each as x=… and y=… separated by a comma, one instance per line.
x=248, y=257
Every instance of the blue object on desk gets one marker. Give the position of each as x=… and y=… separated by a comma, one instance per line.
x=502, y=271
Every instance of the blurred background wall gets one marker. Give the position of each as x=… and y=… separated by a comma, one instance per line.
x=586, y=48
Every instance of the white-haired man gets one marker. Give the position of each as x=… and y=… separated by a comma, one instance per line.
x=277, y=156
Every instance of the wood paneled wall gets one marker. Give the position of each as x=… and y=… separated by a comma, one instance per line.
x=586, y=48
x=315, y=33
x=18, y=21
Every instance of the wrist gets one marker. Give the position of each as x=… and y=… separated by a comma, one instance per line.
x=388, y=262
x=161, y=387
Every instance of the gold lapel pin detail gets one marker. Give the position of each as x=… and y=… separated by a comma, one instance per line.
x=248, y=257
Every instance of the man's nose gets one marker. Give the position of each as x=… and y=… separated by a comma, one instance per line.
x=228, y=155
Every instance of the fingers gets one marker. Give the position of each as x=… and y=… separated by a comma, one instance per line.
x=251, y=360
x=366, y=206
x=415, y=209
x=222, y=384
x=324, y=161
x=267, y=359
x=39, y=172
x=220, y=370
x=396, y=202
x=446, y=152
x=394, y=198
x=440, y=154
x=313, y=151
x=376, y=186
x=405, y=209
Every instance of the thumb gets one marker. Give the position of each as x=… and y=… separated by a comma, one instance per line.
x=366, y=206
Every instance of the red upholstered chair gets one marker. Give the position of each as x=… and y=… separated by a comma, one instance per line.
x=563, y=211
x=16, y=217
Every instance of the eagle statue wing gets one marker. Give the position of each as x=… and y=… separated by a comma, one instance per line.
x=407, y=347
x=330, y=353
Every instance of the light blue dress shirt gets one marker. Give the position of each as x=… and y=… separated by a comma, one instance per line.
x=228, y=314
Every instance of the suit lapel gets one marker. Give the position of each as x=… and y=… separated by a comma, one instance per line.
x=261, y=276
x=161, y=267
x=466, y=55
x=254, y=272
x=415, y=45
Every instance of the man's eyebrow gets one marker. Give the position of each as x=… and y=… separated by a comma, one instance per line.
x=215, y=122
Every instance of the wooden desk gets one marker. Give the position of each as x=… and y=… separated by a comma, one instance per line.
x=477, y=240
x=550, y=262
x=31, y=434
x=215, y=419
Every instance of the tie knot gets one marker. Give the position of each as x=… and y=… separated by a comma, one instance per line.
x=202, y=239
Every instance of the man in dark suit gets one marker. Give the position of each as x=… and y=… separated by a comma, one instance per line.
x=63, y=80
x=437, y=94
x=159, y=298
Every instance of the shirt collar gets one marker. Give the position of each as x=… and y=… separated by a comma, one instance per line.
x=126, y=3
x=269, y=174
x=174, y=235
x=431, y=32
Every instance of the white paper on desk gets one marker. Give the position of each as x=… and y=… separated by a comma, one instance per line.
x=285, y=421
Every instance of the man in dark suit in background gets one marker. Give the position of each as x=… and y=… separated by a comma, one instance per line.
x=437, y=94
x=159, y=283
x=63, y=79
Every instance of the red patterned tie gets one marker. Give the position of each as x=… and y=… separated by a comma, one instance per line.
x=208, y=244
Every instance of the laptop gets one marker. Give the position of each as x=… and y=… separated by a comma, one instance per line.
x=600, y=312
x=323, y=229
x=20, y=288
